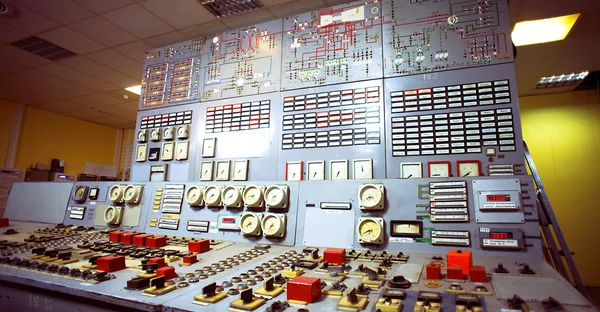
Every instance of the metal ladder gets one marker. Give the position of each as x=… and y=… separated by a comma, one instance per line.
x=552, y=235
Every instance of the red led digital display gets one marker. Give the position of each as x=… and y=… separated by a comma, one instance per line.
x=500, y=235
x=228, y=220
x=497, y=198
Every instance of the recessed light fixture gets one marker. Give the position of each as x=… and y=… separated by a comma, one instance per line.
x=543, y=30
x=563, y=80
x=224, y=8
x=135, y=89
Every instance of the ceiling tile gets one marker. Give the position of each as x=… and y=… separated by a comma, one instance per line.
x=586, y=25
x=121, y=110
x=132, y=98
x=208, y=29
x=138, y=21
x=7, y=66
x=336, y=2
x=166, y=39
x=179, y=13
x=99, y=71
x=576, y=55
x=249, y=18
x=135, y=50
x=62, y=11
x=271, y=3
x=21, y=56
x=86, y=102
x=530, y=63
x=100, y=6
x=41, y=81
x=10, y=33
x=118, y=62
x=285, y=10
x=117, y=122
x=87, y=114
x=103, y=99
x=59, y=106
x=29, y=20
x=536, y=9
x=103, y=31
x=71, y=40
x=72, y=75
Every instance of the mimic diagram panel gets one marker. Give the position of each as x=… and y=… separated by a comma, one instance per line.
x=165, y=144
x=332, y=45
x=421, y=36
x=171, y=75
x=339, y=127
x=242, y=62
x=447, y=120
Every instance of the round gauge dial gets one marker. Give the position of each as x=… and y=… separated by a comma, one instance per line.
x=115, y=194
x=168, y=133
x=369, y=231
x=276, y=196
x=194, y=195
x=131, y=194
x=273, y=225
x=212, y=196
x=113, y=215
x=250, y=224
x=253, y=196
x=232, y=196
x=370, y=196
x=155, y=134
x=182, y=132
x=142, y=135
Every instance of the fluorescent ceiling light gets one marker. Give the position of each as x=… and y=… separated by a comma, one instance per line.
x=563, y=80
x=543, y=30
x=135, y=89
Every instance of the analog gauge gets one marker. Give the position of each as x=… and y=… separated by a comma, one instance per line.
x=142, y=136
x=132, y=194
x=195, y=195
x=338, y=170
x=168, y=133
x=411, y=170
x=155, y=134
x=469, y=168
x=206, y=171
x=439, y=169
x=273, y=225
x=370, y=230
x=371, y=196
x=406, y=228
x=276, y=196
x=232, y=197
x=316, y=170
x=363, y=169
x=116, y=193
x=293, y=171
x=113, y=215
x=250, y=224
x=183, y=132
x=254, y=196
x=212, y=196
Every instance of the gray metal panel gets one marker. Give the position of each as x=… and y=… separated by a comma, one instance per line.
x=363, y=151
x=252, y=54
x=178, y=170
x=504, y=185
x=431, y=36
x=534, y=288
x=259, y=146
x=401, y=197
x=454, y=78
x=38, y=201
x=332, y=45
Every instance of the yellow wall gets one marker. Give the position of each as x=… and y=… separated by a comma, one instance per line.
x=46, y=135
x=7, y=112
x=563, y=134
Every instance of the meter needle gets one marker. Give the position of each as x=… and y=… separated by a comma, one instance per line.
x=467, y=174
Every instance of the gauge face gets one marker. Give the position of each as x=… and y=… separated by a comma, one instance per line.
x=271, y=225
x=142, y=135
x=232, y=196
x=469, y=169
x=115, y=193
x=369, y=230
x=182, y=132
x=155, y=135
x=371, y=196
x=168, y=133
x=112, y=215
x=250, y=224
x=212, y=196
x=194, y=195
x=130, y=192
x=439, y=169
x=276, y=196
x=253, y=196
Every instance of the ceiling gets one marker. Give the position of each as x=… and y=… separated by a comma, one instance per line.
x=111, y=36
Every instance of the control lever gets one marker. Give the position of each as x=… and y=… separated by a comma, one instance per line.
x=517, y=303
x=500, y=269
